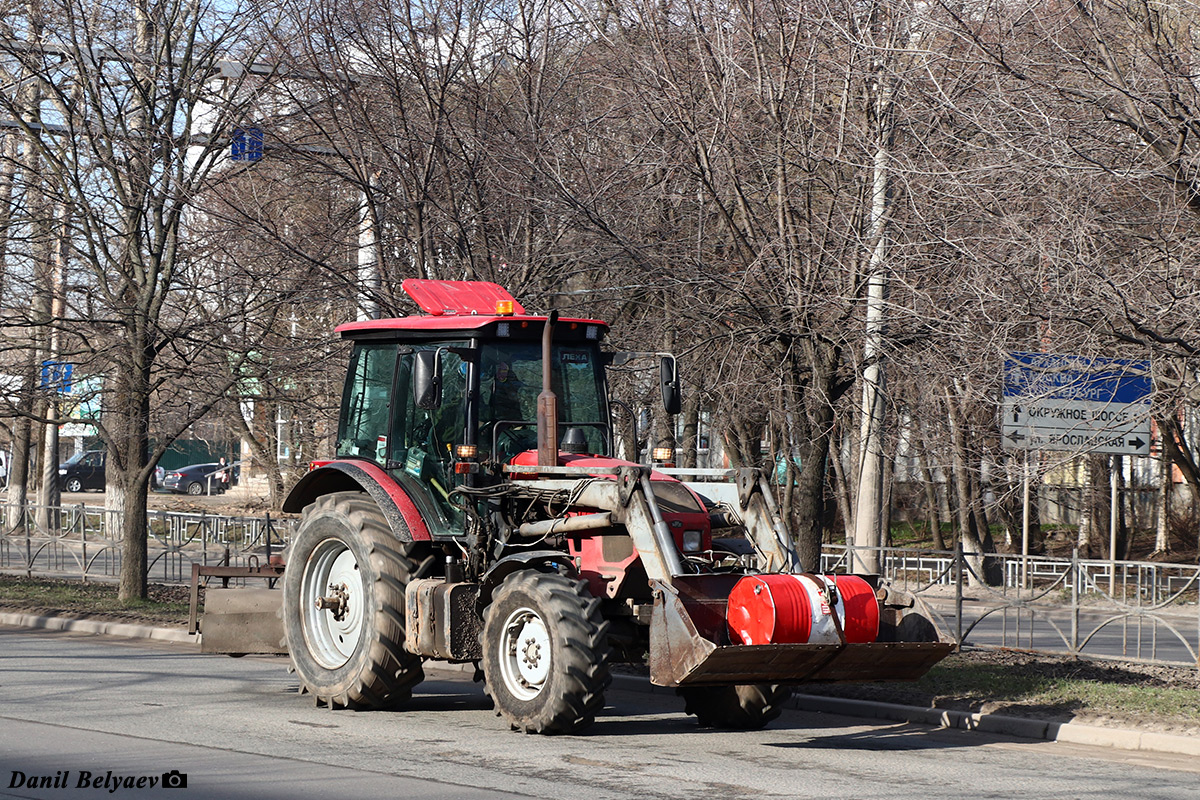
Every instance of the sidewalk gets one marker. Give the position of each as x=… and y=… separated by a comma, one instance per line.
x=1068, y=732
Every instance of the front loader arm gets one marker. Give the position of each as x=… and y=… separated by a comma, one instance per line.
x=630, y=500
x=764, y=526
x=629, y=497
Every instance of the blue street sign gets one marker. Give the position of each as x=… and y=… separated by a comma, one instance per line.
x=247, y=144
x=56, y=376
x=1046, y=376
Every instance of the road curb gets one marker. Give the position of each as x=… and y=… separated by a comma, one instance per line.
x=104, y=627
x=1066, y=732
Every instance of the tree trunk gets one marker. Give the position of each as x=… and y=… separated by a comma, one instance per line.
x=1123, y=531
x=808, y=498
x=931, y=502
x=134, y=522
x=127, y=470
x=983, y=527
x=266, y=459
x=981, y=568
x=841, y=489
x=813, y=433
x=691, y=430
x=885, y=511
x=1162, y=527
x=8, y=170
x=1083, y=539
x=944, y=510
x=18, y=466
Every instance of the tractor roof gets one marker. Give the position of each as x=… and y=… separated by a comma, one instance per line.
x=455, y=306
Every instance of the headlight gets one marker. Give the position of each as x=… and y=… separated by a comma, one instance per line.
x=62, y=472
x=692, y=541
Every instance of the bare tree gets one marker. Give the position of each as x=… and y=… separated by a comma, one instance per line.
x=139, y=98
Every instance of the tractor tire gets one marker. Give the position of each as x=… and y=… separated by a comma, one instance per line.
x=353, y=656
x=744, y=708
x=545, y=653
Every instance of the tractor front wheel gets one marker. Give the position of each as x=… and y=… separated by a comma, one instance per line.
x=545, y=653
x=745, y=708
x=343, y=604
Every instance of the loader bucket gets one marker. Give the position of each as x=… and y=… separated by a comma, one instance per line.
x=688, y=646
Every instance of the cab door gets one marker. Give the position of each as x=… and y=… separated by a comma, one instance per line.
x=423, y=441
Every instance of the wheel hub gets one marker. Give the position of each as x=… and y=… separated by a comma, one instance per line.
x=532, y=654
x=336, y=602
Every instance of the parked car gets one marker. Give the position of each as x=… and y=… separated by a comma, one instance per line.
x=82, y=471
x=197, y=479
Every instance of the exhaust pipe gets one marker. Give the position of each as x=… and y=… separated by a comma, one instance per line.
x=547, y=403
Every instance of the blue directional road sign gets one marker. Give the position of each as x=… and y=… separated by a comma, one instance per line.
x=56, y=376
x=1078, y=404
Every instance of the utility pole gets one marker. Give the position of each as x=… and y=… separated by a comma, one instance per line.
x=50, y=494
x=370, y=265
x=868, y=508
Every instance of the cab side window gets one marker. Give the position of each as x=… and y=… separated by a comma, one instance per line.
x=363, y=425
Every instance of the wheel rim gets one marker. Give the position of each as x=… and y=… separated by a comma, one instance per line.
x=74, y=486
x=525, y=653
x=195, y=488
x=332, y=569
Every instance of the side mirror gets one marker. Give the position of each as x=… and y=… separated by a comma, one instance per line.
x=427, y=379
x=668, y=379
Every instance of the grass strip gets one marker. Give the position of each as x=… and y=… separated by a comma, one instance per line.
x=165, y=604
x=1045, y=687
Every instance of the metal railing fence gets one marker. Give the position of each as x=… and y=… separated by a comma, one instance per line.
x=1127, y=610
x=85, y=541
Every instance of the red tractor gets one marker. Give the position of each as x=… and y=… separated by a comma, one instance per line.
x=475, y=513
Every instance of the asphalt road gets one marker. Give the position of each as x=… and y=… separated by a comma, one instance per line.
x=237, y=729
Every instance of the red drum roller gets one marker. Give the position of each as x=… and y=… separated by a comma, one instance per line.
x=793, y=609
x=860, y=619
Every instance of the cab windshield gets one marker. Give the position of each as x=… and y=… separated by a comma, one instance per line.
x=509, y=385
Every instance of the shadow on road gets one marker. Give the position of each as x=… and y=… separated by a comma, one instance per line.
x=897, y=738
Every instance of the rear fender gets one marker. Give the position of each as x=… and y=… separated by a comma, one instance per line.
x=363, y=476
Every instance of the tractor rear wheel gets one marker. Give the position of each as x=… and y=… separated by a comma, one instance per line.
x=545, y=653
x=343, y=604
x=746, y=708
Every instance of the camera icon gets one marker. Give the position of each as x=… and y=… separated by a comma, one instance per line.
x=174, y=780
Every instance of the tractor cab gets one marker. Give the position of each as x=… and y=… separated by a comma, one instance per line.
x=444, y=400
